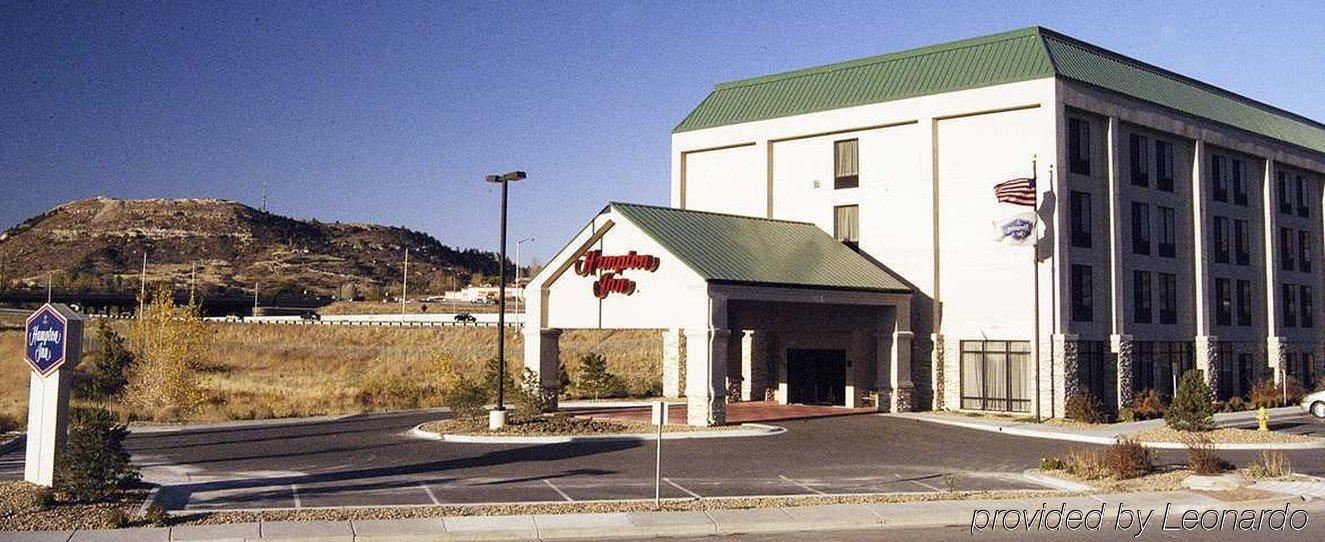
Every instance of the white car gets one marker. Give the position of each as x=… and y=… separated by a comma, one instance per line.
x=1315, y=404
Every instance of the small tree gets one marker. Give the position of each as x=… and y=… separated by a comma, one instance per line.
x=1193, y=407
x=170, y=342
x=594, y=377
x=563, y=379
x=108, y=373
x=530, y=398
x=489, y=379
x=95, y=464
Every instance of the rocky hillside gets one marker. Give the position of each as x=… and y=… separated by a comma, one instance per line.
x=99, y=243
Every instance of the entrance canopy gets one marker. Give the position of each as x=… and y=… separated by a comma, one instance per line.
x=709, y=275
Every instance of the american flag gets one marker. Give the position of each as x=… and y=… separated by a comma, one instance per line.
x=1016, y=191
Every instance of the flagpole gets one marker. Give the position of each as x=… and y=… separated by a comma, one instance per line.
x=1035, y=287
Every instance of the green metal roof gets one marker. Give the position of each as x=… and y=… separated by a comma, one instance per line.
x=749, y=250
x=1020, y=55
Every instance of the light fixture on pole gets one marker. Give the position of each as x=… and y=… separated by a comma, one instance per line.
x=497, y=418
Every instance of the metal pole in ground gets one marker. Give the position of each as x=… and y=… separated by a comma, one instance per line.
x=661, y=416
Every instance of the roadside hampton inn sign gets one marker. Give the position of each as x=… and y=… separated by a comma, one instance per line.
x=611, y=281
x=53, y=341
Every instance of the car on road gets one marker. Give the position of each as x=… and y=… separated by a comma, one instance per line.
x=466, y=318
x=310, y=316
x=1315, y=404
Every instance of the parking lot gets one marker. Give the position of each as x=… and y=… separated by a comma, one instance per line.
x=372, y=461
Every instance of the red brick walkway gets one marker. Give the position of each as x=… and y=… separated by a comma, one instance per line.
x=744, y=412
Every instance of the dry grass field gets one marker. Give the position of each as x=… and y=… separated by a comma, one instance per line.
x=267, y=371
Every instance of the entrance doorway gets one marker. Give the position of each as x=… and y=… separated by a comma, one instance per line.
x=816, y=377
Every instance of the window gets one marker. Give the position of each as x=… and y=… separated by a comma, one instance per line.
x=1078, y=143
x=846, y=164
x=1285, y=198
x=1140, y=160
x=1223, y=303
x=1302, y=207
x=1308, y=306
x=1168, y=298
x=1239, y=182
x=1140, y=228
x=1081, y=221
x=1093, y=369
x=1141, y=312
x=1164, y=165
x=846, y=224
x=1286, y=249
x=1304, y=251
x=1244, y=302
x=1242, y=242
x=996, y=375
x=1083, y=296
x=1290, y=305
x=1219, y=239
x=1219, y=177
x=1167, y=238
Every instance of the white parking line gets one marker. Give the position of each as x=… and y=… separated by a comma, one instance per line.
x=428, y=490
x=295, y=490
x=684, y=490
x=800, y=485
x=924, y=485
x=558, y=490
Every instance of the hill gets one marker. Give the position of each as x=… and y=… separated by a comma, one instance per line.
x=99, y=243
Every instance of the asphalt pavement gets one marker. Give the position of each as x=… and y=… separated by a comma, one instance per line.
x=371, y=460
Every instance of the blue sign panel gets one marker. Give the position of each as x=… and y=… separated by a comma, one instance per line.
x=46, y=340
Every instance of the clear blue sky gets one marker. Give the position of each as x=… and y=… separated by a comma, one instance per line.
x=390, y=112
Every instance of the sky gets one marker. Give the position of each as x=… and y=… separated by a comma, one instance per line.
x=391, y=112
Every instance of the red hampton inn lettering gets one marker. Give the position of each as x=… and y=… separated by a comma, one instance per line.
x=611, y=280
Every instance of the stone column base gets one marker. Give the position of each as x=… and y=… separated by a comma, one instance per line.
x=901, y=399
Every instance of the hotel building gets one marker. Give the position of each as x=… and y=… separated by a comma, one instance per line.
x=831, y=237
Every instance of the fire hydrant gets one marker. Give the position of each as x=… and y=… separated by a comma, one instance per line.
x=1263, y=416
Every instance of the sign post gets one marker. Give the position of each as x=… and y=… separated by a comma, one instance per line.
x=53, y=340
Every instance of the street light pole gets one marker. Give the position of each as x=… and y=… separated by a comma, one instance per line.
x=497, y=418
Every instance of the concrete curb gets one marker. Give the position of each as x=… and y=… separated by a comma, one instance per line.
x=251, y=424
x=753, y=430
x=621, y=525
x=13, y=443
x=1092, y=439
x=1055, y=482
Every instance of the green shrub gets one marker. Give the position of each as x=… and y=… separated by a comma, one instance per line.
x=8, y=423
x=112, y=518
x=564, y=379
x=466, y=397
x=595, y=380
x=530, y=398
x=1052, y=462
x=156, y=516
x=1193, y=406
x=1128, y=459
x=108, y=372
x=1085, y=407
x=489, y=379
x=95, y=464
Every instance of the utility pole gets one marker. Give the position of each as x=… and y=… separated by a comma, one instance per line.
x=49, y=279
x=264, y=196
x=142, y=286
x=404, y=285
x=256, y=284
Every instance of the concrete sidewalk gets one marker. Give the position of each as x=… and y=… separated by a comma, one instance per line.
x=657, y=524
x=1109, y=433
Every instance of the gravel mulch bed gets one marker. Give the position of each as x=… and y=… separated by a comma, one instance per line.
x=1225, y=435
x=1160, y=480
x=557, y=425
x=675, y=505
x=20, y=510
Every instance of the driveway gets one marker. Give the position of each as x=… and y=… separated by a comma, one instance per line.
x=371, y=460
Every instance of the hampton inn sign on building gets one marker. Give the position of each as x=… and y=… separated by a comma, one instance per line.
x=830, y=237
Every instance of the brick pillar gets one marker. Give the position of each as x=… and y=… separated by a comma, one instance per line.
x=706, y=376
x=901, y=396
x=1067, y=377
x=1121, y=345
x=542, y=355
x=673, y=386
x=1276, y=353
x=1207, y=360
